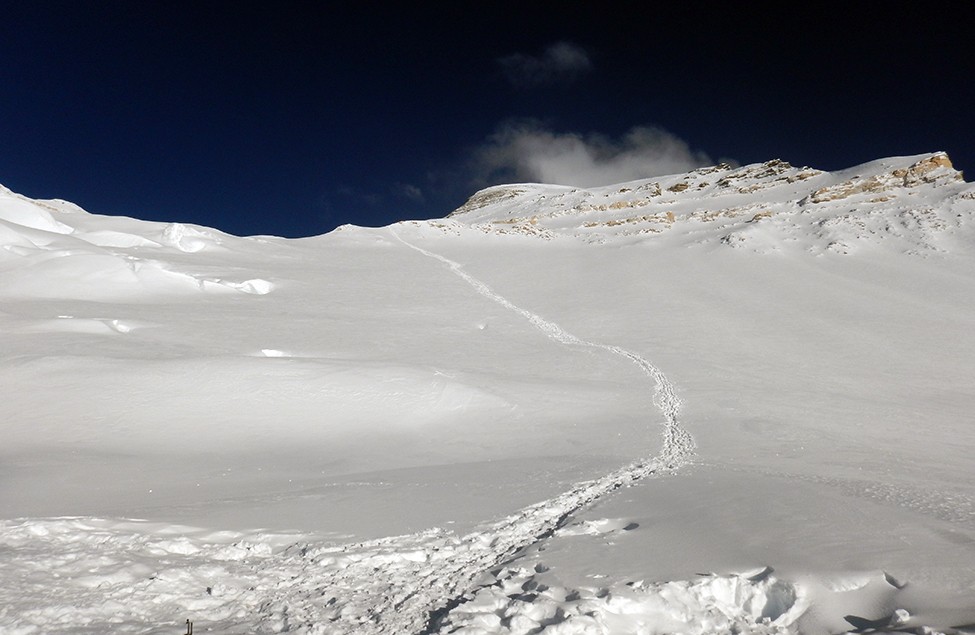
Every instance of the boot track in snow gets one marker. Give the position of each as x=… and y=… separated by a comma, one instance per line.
x=136, y=574
x=404, y=584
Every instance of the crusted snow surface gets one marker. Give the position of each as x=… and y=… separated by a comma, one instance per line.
x=53, y=249
x=738, y=603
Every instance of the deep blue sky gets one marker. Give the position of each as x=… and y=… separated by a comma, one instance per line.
x=292, y=118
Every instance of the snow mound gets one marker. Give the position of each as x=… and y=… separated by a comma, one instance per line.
x=94, y=275
x=188, y=239
x=915, y=204
x=19, y=210
x=519, y=603
x=53, y=249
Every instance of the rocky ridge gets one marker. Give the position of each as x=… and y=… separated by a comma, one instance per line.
x=917, y=204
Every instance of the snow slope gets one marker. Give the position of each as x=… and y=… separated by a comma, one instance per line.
x=734, y=400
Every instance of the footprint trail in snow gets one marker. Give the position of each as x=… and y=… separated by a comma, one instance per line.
x=406, y=584
x=397, y=584
x=678, y=445
x=140, y=575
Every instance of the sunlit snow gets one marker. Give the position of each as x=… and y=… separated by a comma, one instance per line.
x=736, y=400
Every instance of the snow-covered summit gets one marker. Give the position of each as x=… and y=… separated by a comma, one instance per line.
x=919, y=201
x=913, y=204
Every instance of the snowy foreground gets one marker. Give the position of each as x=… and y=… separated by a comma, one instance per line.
x=737, y=400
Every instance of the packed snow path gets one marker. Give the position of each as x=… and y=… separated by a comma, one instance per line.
x=135, y=577
x=403, y=584
x=397, y=584
x=677, y=442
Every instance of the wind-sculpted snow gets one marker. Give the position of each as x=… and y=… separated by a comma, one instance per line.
x=56, y=250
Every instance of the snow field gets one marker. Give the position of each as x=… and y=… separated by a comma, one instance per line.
x=383, y=394
x=385, y=585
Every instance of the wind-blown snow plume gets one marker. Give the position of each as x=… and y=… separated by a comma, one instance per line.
x=529, y=152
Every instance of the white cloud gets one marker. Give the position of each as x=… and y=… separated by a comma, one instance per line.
x=561, y=62
x=409, y=191
x=529, y=152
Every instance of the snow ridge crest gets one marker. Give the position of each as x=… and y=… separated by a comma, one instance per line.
x=916, y=204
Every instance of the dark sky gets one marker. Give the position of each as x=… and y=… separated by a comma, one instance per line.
x=292, y=118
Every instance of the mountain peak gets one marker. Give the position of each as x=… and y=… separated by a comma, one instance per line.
x=913, y=199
